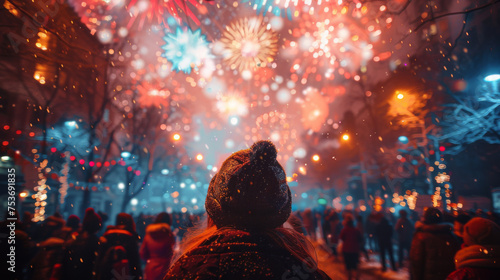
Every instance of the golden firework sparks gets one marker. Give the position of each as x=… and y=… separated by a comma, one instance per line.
x=248, y=44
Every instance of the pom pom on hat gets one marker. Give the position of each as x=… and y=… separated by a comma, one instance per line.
x=263, y=152
x=250, y=190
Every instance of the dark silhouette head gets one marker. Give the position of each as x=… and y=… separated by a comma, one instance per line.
x=163, y=217
x=91, y=221
x=125, y=221
x=432, y=215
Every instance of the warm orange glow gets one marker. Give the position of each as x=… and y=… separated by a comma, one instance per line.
x=345, y=137
x=315, y=158
x=407, y=103
x=43, y=40
x=23, y=194
x=177, y=137
x=199, y=157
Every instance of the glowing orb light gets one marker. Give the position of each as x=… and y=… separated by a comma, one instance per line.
x=492, y=78
x=234, y=104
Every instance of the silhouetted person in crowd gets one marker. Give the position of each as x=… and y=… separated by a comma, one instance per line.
x=119, y=251
x=371, y=223
x=70, y=230
x=49, y=250
x=247, y=203
x=404, y=229
x=309, y=222
x=433, y=247
x=80, y=254
x=384, y=232
x=361, y=227
x=458, y=225
x=157, y=247
x=480, y=256
x=332, y=238
x=351, y=238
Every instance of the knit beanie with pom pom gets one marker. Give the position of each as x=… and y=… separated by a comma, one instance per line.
x=250, y=190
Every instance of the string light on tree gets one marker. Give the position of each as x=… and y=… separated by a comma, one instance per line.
x=41, y=193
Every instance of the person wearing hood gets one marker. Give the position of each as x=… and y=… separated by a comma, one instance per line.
x=157, y=249
x=247, y=203
x=433, y=247
x=479, y=257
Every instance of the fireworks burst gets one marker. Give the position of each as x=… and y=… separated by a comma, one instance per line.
x=186, y=49
x=157, y=10
x=343, y=39
x=248, y=44
x=153, y=94
x=277, y=7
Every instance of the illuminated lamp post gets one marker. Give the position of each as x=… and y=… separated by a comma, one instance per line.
x=405, y=104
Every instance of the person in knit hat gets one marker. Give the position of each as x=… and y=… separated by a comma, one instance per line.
x=247, y=203
x=91, y=221
x=480, y=256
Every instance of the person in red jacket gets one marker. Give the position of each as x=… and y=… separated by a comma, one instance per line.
x=157, y=248
x=480, y=256
x=351, y=238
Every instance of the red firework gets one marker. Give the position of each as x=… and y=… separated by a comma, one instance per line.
x=158, y=9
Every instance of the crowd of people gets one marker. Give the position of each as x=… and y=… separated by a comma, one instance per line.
x=250, y=232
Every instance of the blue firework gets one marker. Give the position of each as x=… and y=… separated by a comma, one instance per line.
x=284, y=8
x=185, y=49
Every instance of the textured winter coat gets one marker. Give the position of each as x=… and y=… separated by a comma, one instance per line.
x=113, y=238
x=49, y=254
x=477, y=262
x=432, y=251
x=404, y=229
x=351, y=238
x=79, y=257
x=157, y=250
x=237, y=255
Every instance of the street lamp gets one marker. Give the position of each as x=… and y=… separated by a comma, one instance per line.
x=492, y=78
x=70, y=124
x=125, y=154
x=134, y=201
